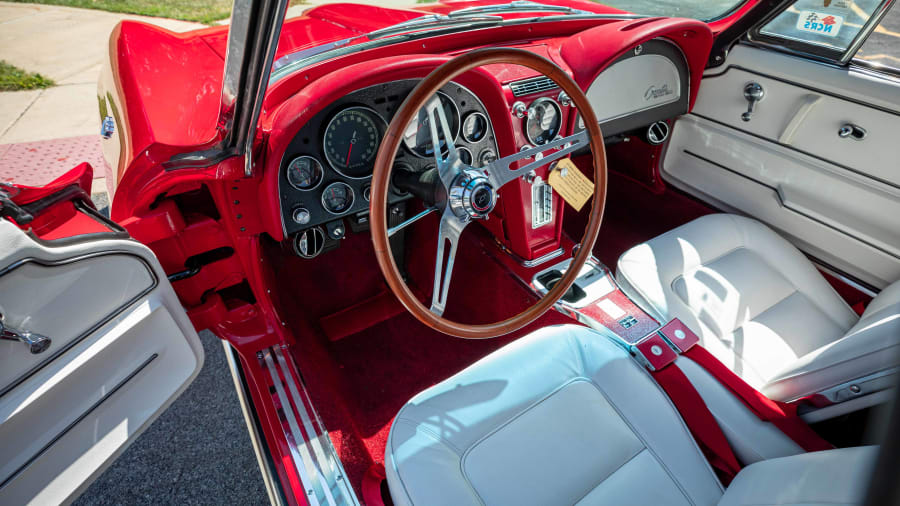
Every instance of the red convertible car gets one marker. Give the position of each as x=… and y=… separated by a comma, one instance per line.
x=480, y=251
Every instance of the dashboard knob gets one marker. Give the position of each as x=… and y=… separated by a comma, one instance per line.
x=519, y=109
x=564, y=99
x=301, y=216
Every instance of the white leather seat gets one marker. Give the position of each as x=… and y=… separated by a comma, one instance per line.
x=564, y=416
x=762, y=308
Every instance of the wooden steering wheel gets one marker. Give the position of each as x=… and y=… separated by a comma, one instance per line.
x=466, y=193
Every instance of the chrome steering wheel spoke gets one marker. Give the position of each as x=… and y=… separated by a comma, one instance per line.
x=450, y=229
x=499, y=171
x=448, y=167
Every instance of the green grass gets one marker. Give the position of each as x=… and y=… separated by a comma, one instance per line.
x=15, y=79
x=201, y=11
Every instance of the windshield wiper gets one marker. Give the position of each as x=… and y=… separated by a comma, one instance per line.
x=432, y=21
x=516, y=6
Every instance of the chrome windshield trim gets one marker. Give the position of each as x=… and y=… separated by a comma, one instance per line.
x=516, y=6
x=290, y=63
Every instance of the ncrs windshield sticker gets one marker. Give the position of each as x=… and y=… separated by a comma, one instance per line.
x=819, y=22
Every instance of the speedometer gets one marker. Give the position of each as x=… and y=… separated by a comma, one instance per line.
x=351, y=141
x=544, y=121
x=417, y=134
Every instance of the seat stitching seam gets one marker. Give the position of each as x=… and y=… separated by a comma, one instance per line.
x=418, y=426
x=644, y=442
x=511, y=419
x=395, y=466
x=608, y=476
x=429, y=433
x=642, y=370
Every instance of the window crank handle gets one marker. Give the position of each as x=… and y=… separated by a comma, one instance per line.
x=754, y=93
x=36, y=343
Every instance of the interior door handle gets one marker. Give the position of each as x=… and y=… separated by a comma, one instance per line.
x=852, y=131
x=36, y=343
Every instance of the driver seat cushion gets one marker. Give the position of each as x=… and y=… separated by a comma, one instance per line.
x=759, y=306
x=562, y=416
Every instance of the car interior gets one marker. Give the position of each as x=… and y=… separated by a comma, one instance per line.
x=694, y=299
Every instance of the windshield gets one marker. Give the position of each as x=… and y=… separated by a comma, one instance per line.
x=704, y=10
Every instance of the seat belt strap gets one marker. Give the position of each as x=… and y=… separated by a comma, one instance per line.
x=699, y=420
x=658, y=353
x=780, y=414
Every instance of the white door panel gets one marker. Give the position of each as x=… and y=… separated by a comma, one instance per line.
x=807, y=121
x=100, y=283
x=838, y=199
x=108, y=372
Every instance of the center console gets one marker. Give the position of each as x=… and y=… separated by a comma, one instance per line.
x=596, y=301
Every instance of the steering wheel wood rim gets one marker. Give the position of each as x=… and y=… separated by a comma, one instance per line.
x=385, y=160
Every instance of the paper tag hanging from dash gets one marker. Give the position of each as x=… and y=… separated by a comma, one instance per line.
x=573, y=186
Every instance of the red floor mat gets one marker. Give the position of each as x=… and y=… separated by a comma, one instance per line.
x=634, y=214
x=359, y=383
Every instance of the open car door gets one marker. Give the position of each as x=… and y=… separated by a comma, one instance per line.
x=95, y=344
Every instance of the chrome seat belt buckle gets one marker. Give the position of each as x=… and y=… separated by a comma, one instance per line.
x=679, y=335
x=654, y=352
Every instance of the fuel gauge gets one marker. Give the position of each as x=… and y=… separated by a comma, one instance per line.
x=304, y=173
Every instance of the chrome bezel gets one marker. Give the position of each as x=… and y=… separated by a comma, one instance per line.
x=484, y=152
x=467, y=150
x=287, y=172
x=455, y=134
x=349, y=206
x=487, y=127
x=367, y=193
x=528, y=118
x=328, y=126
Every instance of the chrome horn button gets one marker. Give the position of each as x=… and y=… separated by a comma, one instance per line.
x=472, y=196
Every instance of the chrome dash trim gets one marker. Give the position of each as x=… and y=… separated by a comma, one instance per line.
x=544, y=258
x=268, y=474
x=315, y=458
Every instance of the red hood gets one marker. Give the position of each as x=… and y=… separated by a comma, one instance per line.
x=333, y=22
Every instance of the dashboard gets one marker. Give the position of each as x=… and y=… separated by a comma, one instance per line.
x=327, y=154
x=326, y=170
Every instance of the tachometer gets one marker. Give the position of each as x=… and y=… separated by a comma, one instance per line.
x=304, y=173
x=351, y=141
x=417, y=135
x=544, y=121
x=337, y=198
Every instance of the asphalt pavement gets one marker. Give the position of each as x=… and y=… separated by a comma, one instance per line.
x=197, y=452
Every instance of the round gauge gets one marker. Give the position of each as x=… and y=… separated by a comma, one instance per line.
x=487, y=156
x=351, y=141
x=544, y=121
x=337, y=198
x=465, y=156
x=367, y=192
x=304, y=173
x=417, y=134
x=474, y=127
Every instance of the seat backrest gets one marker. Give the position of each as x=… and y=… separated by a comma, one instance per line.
x=562, y=416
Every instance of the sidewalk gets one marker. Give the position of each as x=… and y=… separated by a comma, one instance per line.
x=44, y=132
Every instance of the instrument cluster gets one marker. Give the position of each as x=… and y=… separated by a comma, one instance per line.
x=326, y=169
